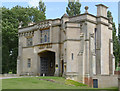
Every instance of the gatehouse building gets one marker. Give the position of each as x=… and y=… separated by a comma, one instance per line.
x=79, y=48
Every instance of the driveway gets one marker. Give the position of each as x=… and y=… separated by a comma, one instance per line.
x=8, y=77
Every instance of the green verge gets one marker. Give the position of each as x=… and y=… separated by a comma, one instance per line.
x=44, y=83
x=73, y=83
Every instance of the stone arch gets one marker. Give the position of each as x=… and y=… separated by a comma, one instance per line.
x=47, y=63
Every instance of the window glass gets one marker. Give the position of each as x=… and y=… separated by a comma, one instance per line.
x=45, y=38
x=95, y=38
x=72, y=56
x=29, y=63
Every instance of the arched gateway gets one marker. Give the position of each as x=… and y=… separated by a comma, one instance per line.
x=47, y=63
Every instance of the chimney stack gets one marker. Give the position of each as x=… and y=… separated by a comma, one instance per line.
x=101, y=10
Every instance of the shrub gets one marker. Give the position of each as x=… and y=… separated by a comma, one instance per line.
x=10, y=72
x=118, y=69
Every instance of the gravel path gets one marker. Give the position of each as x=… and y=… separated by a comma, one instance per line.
x=8, y=77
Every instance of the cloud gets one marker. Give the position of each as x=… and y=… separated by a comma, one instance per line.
x=33, y=3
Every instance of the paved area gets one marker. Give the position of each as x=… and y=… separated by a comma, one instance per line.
x=15, y=77
x=8, y=77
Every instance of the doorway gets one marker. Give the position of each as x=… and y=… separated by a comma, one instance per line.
x=47, y=63
x=95, y=83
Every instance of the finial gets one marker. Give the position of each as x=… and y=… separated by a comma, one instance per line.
x=86, y=9
x=20, y=24
x=111, y=18
x=65, y=15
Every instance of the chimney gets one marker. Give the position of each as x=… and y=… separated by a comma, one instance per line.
x=101, y=10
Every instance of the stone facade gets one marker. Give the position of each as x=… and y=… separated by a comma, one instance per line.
x=79, y=48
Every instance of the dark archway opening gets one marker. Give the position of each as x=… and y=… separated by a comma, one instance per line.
x=47, y=63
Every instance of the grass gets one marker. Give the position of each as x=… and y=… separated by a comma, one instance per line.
x=43, y=83
x=74, y=83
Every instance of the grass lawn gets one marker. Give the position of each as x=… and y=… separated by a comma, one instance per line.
x=43, y=83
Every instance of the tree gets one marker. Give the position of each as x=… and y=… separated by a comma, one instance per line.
x=116, y=45
x=42, y=7
x=10, y=22
x=28, y=14
x=119, y=32
x=73, y=8
x=119, y=43
x=9, y=40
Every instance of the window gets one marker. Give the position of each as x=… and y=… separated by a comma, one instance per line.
x=45, y=36
x=72, y=56
x=95, y=83
x=29, y=63
x=95, y=38
x=29, y=41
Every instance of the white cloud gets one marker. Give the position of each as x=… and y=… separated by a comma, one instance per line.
x=33, y=3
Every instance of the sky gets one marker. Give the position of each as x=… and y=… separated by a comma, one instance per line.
x=55, y=9
x=119, y=12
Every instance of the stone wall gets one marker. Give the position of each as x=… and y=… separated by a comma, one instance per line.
x=106, y=81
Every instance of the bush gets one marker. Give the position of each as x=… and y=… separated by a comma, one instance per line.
x=10, y=72
x=118, y=69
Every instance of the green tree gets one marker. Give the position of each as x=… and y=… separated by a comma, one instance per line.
x=119, y=32
x=0, y=40
x=10, y=22
x=9, y=40
x=73, y=8
x=119, y=42
x=28, y=14
x=116, y=46
x=42, y=7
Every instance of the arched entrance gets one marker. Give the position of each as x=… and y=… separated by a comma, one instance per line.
x=47, y=63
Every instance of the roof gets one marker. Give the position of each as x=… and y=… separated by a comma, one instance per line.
x=65, y=15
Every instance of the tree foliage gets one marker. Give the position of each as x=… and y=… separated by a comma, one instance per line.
x=119, y=43
x=73, y=8
x=10, y=22
x=42, y=7
x=116, y=45
x=119, y=32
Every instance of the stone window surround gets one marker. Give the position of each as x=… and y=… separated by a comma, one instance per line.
x=45, y=36
x=72, y=56
x=29, y=63
x=29, y=41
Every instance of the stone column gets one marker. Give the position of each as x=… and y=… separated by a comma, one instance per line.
x=81, y=60
x=50, y=33
x=19, y=59
x=18, y=66
x=57, y=66
x=113, y=60
x=86, y=50
x=92, y=55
